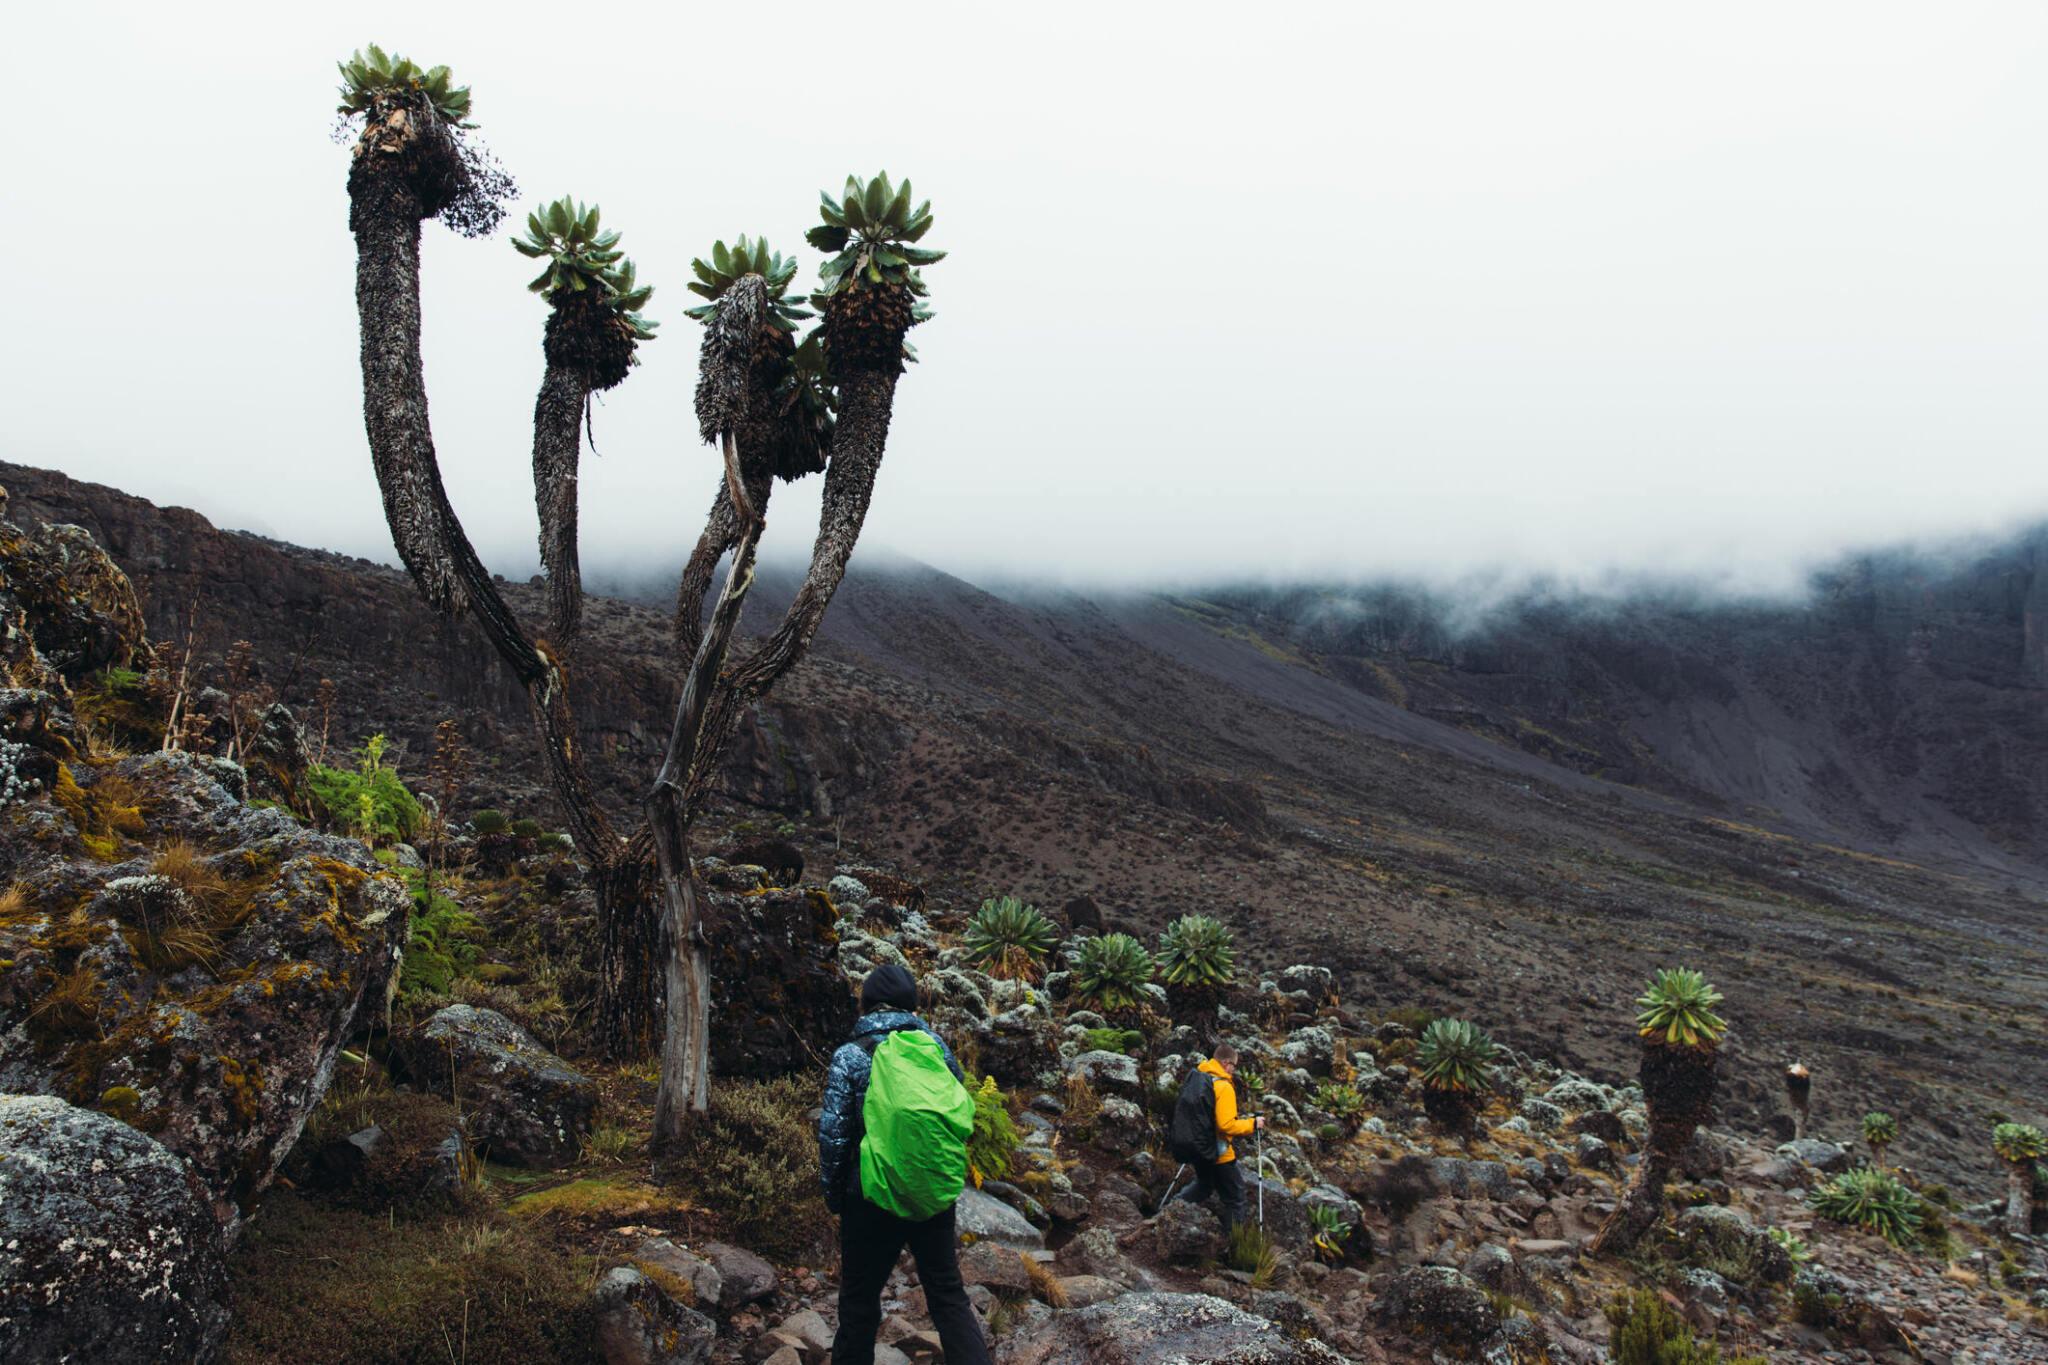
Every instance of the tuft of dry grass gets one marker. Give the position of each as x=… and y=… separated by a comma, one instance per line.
x=1044, y=1283
x=1081, y=1101
x=185, y=867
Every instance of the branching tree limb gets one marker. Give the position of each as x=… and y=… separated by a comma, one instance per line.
x=763, y=401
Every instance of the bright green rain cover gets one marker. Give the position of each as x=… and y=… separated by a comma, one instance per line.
x=913, y=1156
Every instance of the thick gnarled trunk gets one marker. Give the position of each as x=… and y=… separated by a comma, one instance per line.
x=2019, y=1198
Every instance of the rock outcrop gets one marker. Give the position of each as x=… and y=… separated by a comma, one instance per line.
x=1162, y=1329
x=111, y=1250
x=523, y=1104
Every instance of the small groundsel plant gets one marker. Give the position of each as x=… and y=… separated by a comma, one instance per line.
x=1871, y=1199
x=1456, y=1055
x=1328, y=1231
x=1678, y=1010
x=1880, y=1131
x=1342, y=1103
x=992, y=1145
x=1196, y=951
x=2019, y=1142
x=1111, y=971
x=1007, y=938
x=1455, y=1059
x=1794, y=1245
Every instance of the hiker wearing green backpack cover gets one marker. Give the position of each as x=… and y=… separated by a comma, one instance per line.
x=892, y=1157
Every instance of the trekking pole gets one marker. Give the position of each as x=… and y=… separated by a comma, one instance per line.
x=1259, y=1171
x=1166, y=1198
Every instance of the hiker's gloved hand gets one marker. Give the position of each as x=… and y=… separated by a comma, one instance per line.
x=1258, y=1122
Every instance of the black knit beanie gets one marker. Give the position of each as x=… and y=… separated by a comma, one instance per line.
x=888, y=987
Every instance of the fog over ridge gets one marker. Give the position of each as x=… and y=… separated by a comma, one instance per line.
x=1592, y=295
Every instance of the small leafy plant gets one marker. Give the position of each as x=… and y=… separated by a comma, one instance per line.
x=1007, y=938
x=1880, y=1131
x=367, y=800
x=1196, y=950
x=1328, y=1230
x=1125, y=1040
x=1794, y=1245
x=1678, y=1008
x=444, y=942
x=1872, y=1199
x=992, y=1145
x=1110, y=971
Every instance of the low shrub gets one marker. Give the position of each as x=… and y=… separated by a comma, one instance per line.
x=1128, y=1041
x=753, y=1160
x=1645, y=1331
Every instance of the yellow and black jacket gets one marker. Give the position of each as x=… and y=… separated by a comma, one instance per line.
x=1229, y=1124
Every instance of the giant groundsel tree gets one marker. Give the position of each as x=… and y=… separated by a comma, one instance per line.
x=776, y=407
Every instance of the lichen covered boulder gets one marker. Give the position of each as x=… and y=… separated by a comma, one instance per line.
x=1161, y=1329
x=778, y=1001
x=187, y=962
x=524, y=1105
x=638, y=1324
x=111, y=1250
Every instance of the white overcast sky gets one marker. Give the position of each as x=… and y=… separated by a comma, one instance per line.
x=1356, y=288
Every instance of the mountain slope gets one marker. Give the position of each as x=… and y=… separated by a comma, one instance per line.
x=1832, y=810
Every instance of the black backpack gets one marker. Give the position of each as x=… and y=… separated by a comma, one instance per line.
x=1191, y=1135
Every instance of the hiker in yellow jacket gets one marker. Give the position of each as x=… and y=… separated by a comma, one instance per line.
x=1204, y=1124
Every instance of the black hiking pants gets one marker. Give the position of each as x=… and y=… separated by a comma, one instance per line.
x=1225, y=1181
x=870, y=1240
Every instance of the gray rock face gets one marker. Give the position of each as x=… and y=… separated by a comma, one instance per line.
x=1185, y=1233
x=1312, y=1049
x=1438, y=1301
x=112, y=1252
x=1000, y=1268
x=637, y=1324
x=706, y=1284
x=1824, y=1157
x=1108, y=1073
x=1317, y=983
x=526, y=1106
x=745, y=1277
x=1575, y=1092
x=1121, y=1126
x=1161, y=1329
x=1020, y=1047
x=1728, y=1238
x=988, y=1219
